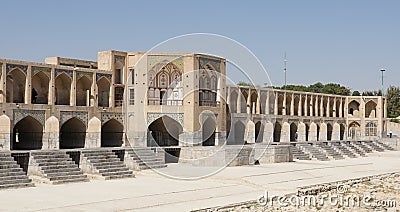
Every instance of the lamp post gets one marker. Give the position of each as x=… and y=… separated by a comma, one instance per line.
x=382, y=70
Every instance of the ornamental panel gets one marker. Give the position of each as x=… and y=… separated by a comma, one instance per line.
x=19, y=114
x=203, y=62
x=45, y=70
x=153, y=60
x=100, y=75
x=175, y=116
x=60, y=71
x=10, y=67
x=106, y=116
x=67, y=115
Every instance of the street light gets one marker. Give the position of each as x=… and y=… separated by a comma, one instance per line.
x=382, y=70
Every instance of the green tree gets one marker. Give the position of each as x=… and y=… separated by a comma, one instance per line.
x=241, y=83
x=356, y=93
x=372, y=93
x=393, y=101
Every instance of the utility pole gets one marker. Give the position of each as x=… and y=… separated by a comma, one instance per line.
x=382, y=70
x=285, y=68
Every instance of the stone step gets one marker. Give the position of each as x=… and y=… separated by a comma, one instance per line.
x=385, y=146
x=66, y=177
x=11, y=173
x=117, y=169
x=82, y=178
x=15, y=181
x=105, y=174
x=110, y=166
x=10, y=170
x=7, y=166
x=44, y=160
x=72, y=169
x=13, y=177
x=64, y=173
x=45, y=168
x=52, y=163
x=95, y=161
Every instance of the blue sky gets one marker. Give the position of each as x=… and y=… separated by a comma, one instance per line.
x=345, y=42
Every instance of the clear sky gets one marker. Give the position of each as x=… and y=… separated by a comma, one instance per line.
x=340, y=41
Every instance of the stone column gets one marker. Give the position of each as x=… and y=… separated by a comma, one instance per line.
x=248, y=102
x=334, y=107
x=93, y=92
x=328, y=108
x=51, y=95
x=3, y=83
x=28, y=89
x=238, y=102
x=276, y=104
x=305, y=105
x=311, y=105
x=292, y=105
x=267, y=104
x=284, y=104
x=341, y=108
x=316, y=106
x=72, y=96
x=258, y=102
x=228, y=97
x=300, y=108
x=321, y=107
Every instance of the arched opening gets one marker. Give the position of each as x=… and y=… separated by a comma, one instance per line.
x=371, y=129
x=354, y=108
x=329, y=132
x=27, y=134
x=354, y=130
x=72, y=134
x=309, y=104
x=112, y=134
x=259, y=129
x=243, y=101
x=331, y=107
x=118, y=74
x=253, y=103
x=164, y=131
x=15, y=84
x=40, y=88
x=342, y=131
x=277, y=132
x=370, y=110
x=271, y=103
x=83, y=91
x=239, y=130
x=263, y=99
x=63, y=89
x=280, y=104
x=233, y=102
x=338, y=108
x=288, y=103
x=296, y=105
x=208, y=132
x=318, y=129
x=325, y=106
x=307, y=131
x=293, y=132
x=103, y=87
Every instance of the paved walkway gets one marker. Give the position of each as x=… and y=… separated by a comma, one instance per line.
x=150, y=191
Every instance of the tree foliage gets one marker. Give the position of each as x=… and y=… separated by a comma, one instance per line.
x=356, y=93
x=330, y=88
x=372, y=93
x=393, y=101
x=241, y=83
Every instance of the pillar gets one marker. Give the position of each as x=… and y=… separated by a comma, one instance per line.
x=258, y=103
x=311, y=105
x=284, y=104
x=292, y=105
x=300, y=108
x=248, y=102
x=276, y=104
x=51, y=96
x=316, y=106
x=305, y=105
x=341, y=108
x=28, y=90
x=72, y=96
x=334, y=108
x=238, y=102
x=328, y=108
x=321, y=107
x=267, y=104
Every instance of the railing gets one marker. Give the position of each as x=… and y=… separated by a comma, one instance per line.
x=208, y=103
x=164, y=102
x=70, y=140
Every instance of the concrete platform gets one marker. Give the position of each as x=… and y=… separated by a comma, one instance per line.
x=150, y=191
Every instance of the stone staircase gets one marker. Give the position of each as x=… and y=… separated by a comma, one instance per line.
x=374, y=146
x=56, y=167
x=363, y=147
x=313, y=151
x=384, y=146
x=330, y=151
x=299, y=154
x=343, y=150
x=11, y=174
x=355, y=148
x=104, y=164
x=138, y=158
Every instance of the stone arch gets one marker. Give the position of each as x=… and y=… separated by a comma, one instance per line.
x=285, y=135
x=331, y=107
x=354, y=130
x=253, y=102
x=103, y=89
x=112, y=133
x=288, y=103
x=83, y=91
x=243, y=101
x=296, y=105
x=323, y=133
x=40, y=88
x=324, y=106
x=338, y=108
x=342, y=131
x=72, y=134
x=164, y=131
x=15, y=86
x=354, y=108
x=233, y=102
x=313, y=132
x=293, y=132
x=27, y=134
x=329, y=131
x=63, y=89
x=259, y=132
x=370, y=109
x=336, y=132
x=277, y=132
x=5, y=129
x=280, y=104
x=208, y=132
x=301, y=132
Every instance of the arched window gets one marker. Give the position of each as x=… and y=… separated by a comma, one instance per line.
x=163, y=80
